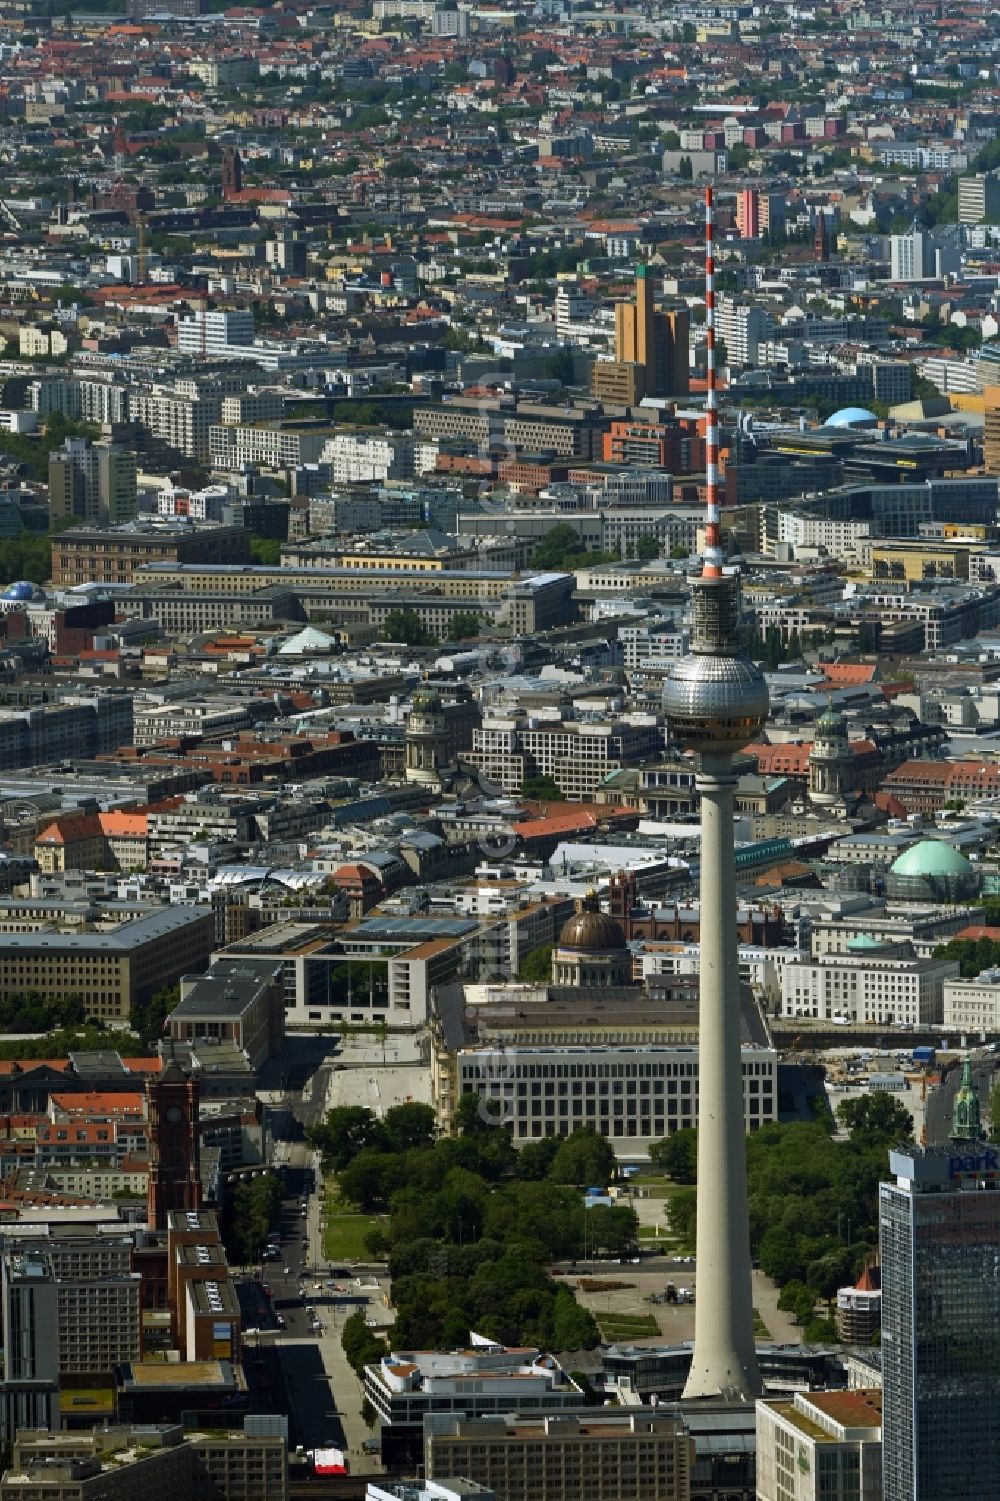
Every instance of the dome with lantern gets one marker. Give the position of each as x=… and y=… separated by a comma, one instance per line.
x=591, y=952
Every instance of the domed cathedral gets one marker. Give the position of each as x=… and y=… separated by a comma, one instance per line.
x=592, y=953
x=426, y=738
x=438, y=731
x=831, y=761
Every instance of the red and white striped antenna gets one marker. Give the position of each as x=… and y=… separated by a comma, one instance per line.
x=712, y=558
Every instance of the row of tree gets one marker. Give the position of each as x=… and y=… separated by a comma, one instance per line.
x=256, y=1209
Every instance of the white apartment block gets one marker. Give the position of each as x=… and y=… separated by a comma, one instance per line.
x=215, y=332
x=838, y=538
x=85, y=400
x=267, y=447
x=652, y=646
x=253, y=406
x=743, y=328
x=973, y=1005
x=366, y=458
x=183, y=421
x=578, y=756
x=898, y=990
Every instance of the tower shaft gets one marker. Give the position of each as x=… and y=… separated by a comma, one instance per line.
x=724, y=1362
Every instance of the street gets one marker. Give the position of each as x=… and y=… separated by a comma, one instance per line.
x=941, y=1099
x=294, y=1310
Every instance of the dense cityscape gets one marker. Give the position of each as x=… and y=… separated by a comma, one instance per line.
x=499, y=751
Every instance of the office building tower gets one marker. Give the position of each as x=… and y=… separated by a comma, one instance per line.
x=95, y=482
x=651, y=350
x=715, y=702
x=940, y=1248
x=979, y=198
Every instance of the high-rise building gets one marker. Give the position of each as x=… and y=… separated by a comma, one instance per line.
x=908, y=255
x=978, y=198
x=748, y=213
x=93, y=481
x=715, y=702
x=991, y=430
x=940, y=1249
x=651, y=350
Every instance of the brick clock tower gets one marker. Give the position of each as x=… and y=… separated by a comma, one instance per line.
x=172, y=1113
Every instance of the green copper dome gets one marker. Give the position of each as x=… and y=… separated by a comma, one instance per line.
x=931, y=857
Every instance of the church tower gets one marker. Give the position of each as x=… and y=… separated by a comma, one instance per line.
x=831, y=761
x=426, y=736
x=172, y=1115
x=966, y=1124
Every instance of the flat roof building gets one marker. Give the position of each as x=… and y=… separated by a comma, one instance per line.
x=628, y=1456
x=114, y=970
x=820, y=1446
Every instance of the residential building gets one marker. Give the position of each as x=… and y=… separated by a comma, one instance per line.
x=820, y=1446
x=270, y=446
x=743, y=329
x=214, y=332
x=577, y=755
x=909, y=256
x=179, y=418
x=93, y=481
x=979, y=198
x=940, y=1241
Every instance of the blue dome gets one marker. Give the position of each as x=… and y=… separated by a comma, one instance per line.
x=21, y=590
x=851, y=417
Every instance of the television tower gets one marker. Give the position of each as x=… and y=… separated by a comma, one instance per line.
x=715, y=702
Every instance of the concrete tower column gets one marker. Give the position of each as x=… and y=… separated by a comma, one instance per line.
x=724, y=1361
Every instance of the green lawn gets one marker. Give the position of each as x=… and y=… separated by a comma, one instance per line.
x=344, y=1235
x=760, y=1329
x=614, y=1326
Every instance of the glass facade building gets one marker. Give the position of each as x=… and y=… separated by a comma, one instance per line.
x=940, y=1242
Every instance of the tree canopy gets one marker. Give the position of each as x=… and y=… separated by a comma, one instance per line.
x=473, y=1224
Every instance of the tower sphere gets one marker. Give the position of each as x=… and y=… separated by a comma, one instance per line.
x=715, y=703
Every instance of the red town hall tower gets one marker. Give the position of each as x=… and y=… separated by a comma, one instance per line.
x=172, y=1113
